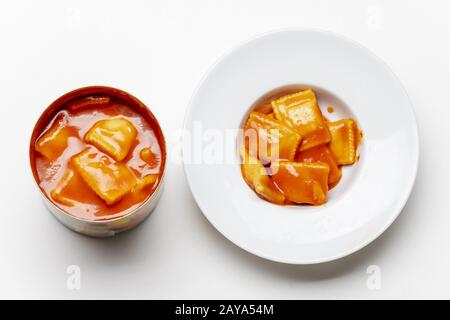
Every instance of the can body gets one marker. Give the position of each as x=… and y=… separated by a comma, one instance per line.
x=106, y=227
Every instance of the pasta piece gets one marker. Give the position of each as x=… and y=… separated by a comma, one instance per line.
x=257, y=178
x=302, y=182
x=71, y=190
x=110, y=181
x=89, y=101
x=301, y=111
x=271, y=115
x=52, y=143
x=273, y=139
x=143, y=183
x=113, y=136
x=58, y=194
x=149, y=157
x=322, y=154
x=345, y=137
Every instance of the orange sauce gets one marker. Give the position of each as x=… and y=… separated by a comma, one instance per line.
x=80, y=117
x=330, y=109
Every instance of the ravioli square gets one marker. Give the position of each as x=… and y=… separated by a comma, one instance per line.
x=148, y=156
x=60, y=194
x=52, y=143
x=110, y=180
x=114, y=137
x=67, y=190
x=89, y=101
x=302, y=182
x=301, y=111
x=258, y=179
x=270, y=139
x=144, y=182
x=322, y=154
x=345, y=137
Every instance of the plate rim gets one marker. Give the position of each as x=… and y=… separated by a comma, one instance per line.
x=416, y=141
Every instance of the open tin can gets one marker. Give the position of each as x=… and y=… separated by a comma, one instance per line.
x=97, y=219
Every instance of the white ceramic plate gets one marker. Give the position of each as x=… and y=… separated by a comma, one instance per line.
x=356, y=83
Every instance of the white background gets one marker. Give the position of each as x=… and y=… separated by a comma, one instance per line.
x=158, y=51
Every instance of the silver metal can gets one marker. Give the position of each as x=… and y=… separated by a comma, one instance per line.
x=109, y=227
